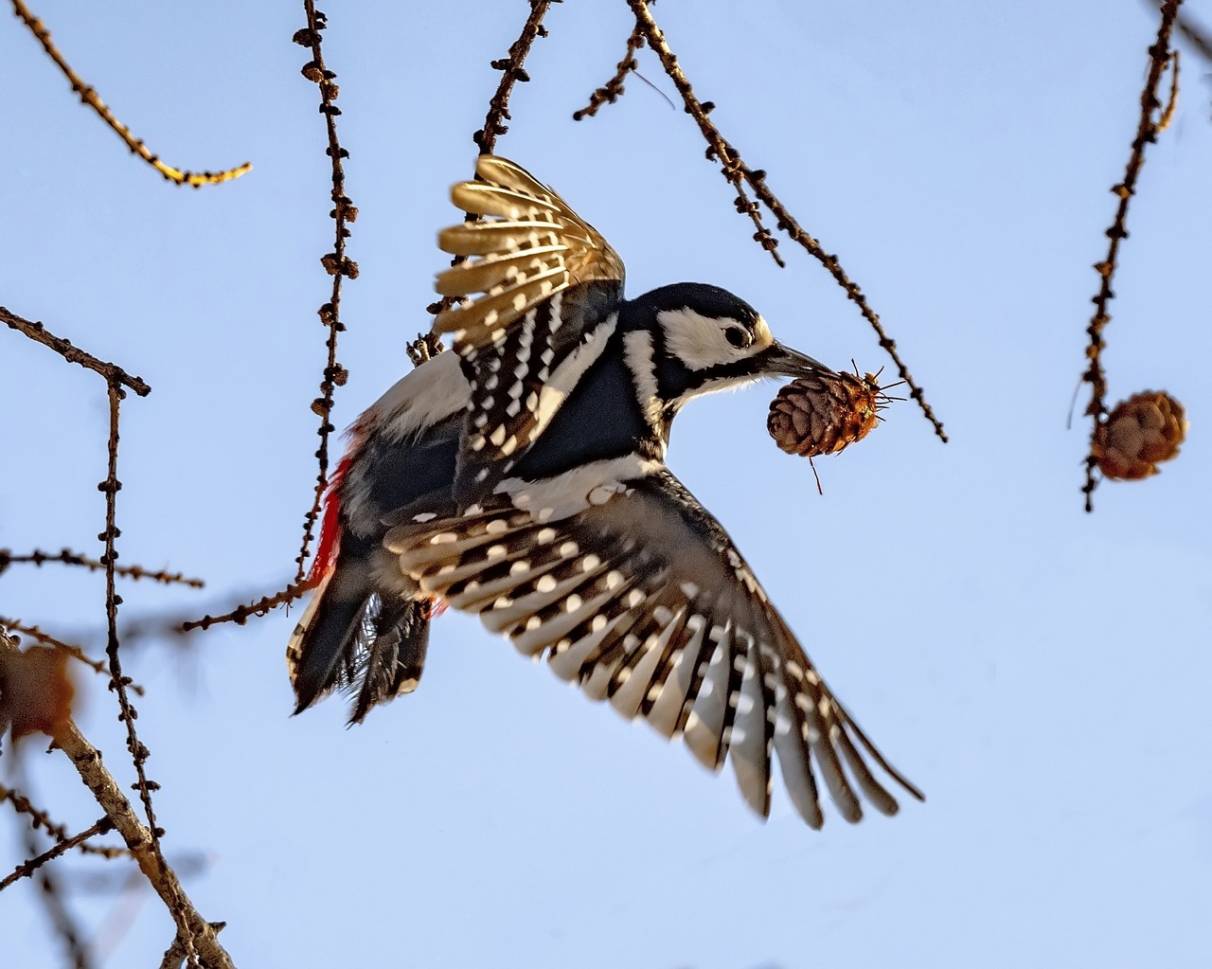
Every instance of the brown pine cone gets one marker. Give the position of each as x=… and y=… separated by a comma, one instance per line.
x=1144, y=429
x=823, y=414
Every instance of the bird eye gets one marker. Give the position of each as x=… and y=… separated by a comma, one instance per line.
x=737, y=336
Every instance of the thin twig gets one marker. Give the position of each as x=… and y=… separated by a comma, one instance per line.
x=612, y=90
x=75, y=652
x=512, y=71
x=1196, y=34
x=1146, y=132
x=731, y=166
x=1167, y=117
x=73, y=354
x=65, y=925
x=67, y=557
x=41, y=819
x=740, y=175
x=336, y=264
x=241, y=614
x=27, y=868
x=118, y=682
x=93, y=100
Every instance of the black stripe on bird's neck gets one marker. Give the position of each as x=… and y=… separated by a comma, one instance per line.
x=601, y=419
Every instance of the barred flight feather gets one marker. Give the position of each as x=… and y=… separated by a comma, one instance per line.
x=643, y=600
x=539, y=281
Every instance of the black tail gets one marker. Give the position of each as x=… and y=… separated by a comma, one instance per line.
x=350, y=638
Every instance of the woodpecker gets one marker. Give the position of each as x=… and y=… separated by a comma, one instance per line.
x=522, y=478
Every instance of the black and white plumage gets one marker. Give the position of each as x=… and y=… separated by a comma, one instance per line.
x=522, y=478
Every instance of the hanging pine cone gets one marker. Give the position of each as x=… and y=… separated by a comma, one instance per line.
x=1144, y=429
x=823, y=414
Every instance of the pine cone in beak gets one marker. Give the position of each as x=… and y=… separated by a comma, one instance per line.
x=824, y=413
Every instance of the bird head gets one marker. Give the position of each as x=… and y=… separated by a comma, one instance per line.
x=696, y=339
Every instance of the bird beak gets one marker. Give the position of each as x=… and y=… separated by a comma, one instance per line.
x=782, y=361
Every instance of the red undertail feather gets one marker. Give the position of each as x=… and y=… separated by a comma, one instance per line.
x=330, y=528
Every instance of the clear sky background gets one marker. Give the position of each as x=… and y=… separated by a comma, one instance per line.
x=1041, y=673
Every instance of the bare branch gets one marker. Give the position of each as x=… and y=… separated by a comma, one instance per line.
x=67, y=557
x=512, y=71
x=27, y=868
x=241, y=614
x=612, y=90
x=335, y=263
x=93, y=100
x=64, y=922
x=139, y=840
x=1146, y=132
x=740, y=175
x=73, y=354
x=40, y=819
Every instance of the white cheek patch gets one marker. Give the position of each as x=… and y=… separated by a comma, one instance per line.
x=699, y=341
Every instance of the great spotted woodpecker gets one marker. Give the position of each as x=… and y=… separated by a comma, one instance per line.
x=522, y=477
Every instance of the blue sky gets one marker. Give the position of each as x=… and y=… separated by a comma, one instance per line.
x=1041, y=673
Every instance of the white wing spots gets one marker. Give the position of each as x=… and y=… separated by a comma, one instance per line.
x=498, y=436
x=666, y=711
x=637, y=683
x=705, y=725
x=749, y=755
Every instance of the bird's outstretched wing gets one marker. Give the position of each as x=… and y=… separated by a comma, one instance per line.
x=538, y=281
x=641, y=596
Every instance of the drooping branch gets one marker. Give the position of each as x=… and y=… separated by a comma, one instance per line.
x=335, y=263
x=90, y=97
x=512, y=71
x=1146, y=132
x=612, y=90
x=73, y=354
x=741, y=176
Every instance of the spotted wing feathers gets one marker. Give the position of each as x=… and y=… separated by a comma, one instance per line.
x=530, y=246
x=536, y=284
x=643, y=600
